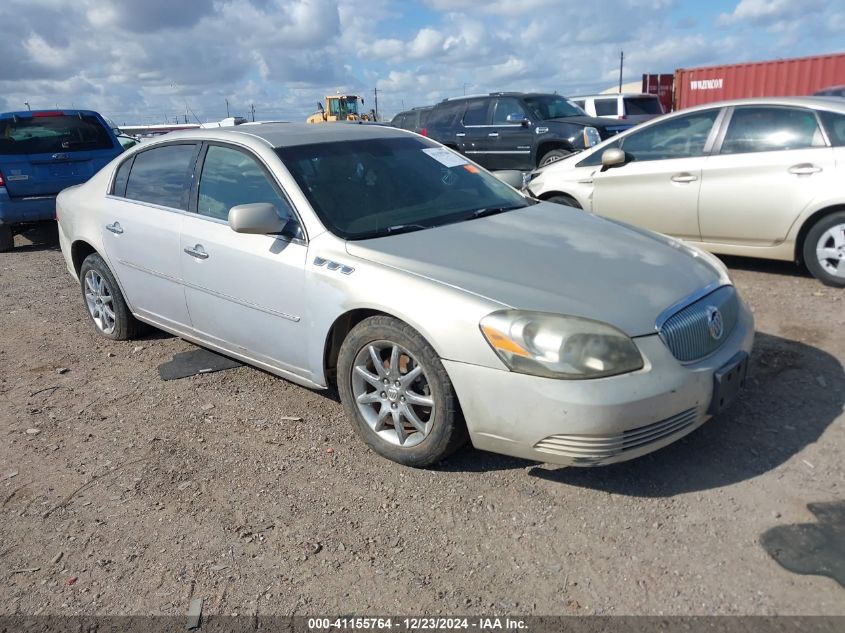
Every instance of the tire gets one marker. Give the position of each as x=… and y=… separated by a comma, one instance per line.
x=99, y=291
x=564, y=199
x=553, y=156
x=827, y=237
x=374, y=407
x=7, y=238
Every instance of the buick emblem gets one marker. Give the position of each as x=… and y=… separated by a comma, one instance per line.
x=715, y=323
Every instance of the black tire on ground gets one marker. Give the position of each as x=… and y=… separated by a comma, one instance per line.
x=811, y=243
x=565, y=199
x=448, y=431
x=126, y=326
x=553, y=156
x=7, y=238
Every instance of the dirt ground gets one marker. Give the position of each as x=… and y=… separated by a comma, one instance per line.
x=125, y=494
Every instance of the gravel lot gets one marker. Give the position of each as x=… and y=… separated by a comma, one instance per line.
x=125, y=494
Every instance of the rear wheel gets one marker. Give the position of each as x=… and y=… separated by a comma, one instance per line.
x=553, y=156
x=824, y=250
x=7, y=238
x=104, y=301
x=564, y=199
x=397, y=393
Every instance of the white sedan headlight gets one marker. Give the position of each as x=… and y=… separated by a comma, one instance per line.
x=557, y=346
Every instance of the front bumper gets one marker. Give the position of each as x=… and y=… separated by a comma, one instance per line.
x=19, y=210
x=593, y=422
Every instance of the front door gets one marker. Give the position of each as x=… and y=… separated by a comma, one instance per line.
x=512, y=141
x=244, y=292
x=658, y=187
x=141, y=226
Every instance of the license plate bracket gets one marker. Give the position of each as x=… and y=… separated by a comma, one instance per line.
x=728, y=381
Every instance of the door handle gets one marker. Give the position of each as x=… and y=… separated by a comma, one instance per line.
x=197, y=251
x=460, y=134
x=493, y=134
x=115, y=228
x=684, y=177
x=804, y=169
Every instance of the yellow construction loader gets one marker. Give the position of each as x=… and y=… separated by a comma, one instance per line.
x=339, y=108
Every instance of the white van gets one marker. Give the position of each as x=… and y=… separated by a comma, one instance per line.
x=634, y=107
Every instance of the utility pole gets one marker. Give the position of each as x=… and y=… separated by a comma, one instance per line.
x=252, y=109
x=375, y=94
x=26, y=103
x=227, y=108
x=621, y=61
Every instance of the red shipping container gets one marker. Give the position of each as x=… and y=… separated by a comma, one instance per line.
x=778, y=78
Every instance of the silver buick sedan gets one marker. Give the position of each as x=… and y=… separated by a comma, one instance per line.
x=443, y=304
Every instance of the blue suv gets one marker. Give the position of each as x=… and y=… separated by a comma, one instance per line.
x=43, y=152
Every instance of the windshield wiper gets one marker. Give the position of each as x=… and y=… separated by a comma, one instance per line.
x=391, y=230
x=487, y=211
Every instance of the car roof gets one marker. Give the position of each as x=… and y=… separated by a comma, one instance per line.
x=611, y=95
x=291, y=134
x=821, y=103
x=30, y=113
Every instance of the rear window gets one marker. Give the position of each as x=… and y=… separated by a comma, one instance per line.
x=52, y=134
x=642, y=105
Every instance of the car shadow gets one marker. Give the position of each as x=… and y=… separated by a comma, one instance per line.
x=38, y=236
x=795, y=391
x=770, y=266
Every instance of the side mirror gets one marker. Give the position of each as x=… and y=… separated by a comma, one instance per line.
x=515, y=117
x=257, y=218
x=512, y=177
x=613, y=157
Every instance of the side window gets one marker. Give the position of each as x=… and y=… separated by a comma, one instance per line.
x=606, y=107
x=765, y=129
x=834, y=123
x=121, y=178
x=594, y=159
x=476, y=113
x=503, y=108
x=231, y=177
x=162, y=176
x=444, y=115
x=679, y=137
x=579, y=102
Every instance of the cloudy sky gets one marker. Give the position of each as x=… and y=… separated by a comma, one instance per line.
x=142, y=61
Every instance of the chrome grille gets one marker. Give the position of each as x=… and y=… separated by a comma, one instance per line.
x=687, y=332
x=591, y=449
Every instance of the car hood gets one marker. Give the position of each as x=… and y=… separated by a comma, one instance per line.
x=549, y=258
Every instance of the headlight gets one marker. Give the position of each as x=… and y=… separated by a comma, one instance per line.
x=591, y=137
x=557, y=346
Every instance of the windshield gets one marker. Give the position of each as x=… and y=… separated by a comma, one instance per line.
x=342, y=106
x=375, y=187
x=552, y=107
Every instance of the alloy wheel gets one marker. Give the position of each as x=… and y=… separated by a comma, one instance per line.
x=830, y=250
x=393, y=393
x=100, y=302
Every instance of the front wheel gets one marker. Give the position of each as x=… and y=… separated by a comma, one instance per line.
x=553, y=156
x=564, y=199
x=397, y=393
x=104, y=301
x=824, y=250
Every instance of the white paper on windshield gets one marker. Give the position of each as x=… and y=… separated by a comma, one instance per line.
x=445, y=157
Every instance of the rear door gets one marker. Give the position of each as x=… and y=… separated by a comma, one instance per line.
x=658, y=187
x=141, y=224
x=245, y=292
x=770, y=165
x=45, y=152
x=473, y=137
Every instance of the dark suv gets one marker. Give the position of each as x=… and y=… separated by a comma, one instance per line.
x=515, y=130
x=413, y=119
